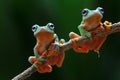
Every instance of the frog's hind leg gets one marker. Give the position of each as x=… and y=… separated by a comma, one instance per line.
x=43, y=68
x=59, y=59
x=99, y=41
x=60, y=56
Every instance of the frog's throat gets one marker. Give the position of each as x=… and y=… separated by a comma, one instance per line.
x=95, y=28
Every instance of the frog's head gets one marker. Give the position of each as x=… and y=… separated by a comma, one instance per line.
x=92, y=18
x=49, y=29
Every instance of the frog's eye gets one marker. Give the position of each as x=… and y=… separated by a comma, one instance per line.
x=51, y=26
x=101, y=10
x=85, y=12
x=34, y=27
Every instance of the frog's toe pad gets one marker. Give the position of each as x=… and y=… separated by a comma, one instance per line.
x=107, y=25
x=32, y=59
x=71, y=33
x=62, y=41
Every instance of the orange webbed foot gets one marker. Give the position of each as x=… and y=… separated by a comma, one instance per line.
x=43, y=67
x=57, y=60
x=74, y=36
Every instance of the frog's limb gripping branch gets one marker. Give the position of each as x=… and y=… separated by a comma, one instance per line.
x=113, y=29
x=66, y=46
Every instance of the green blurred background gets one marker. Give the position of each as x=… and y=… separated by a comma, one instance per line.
x=17, y=40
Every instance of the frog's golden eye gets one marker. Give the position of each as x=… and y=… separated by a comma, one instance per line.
x=34, y=27
x=51, y=26
x=101, y=10
x=85, y=12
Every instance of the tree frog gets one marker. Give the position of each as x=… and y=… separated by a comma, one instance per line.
x=91, y=24
x=45, y=47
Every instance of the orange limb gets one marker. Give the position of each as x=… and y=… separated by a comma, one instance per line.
x=56, y=60
x=43, y=68
x=59, y=59
x=76, y=46
x=98, y=42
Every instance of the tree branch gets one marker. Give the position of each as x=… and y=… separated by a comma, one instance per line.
x=26, y=73
x=66, y=46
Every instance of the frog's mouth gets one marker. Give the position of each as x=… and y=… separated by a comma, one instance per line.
x=42, y=32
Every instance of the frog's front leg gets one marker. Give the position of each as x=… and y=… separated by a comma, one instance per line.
x=84, y=32
x=57, y=44
x=54, y=47
x=76, y=46
x=38, y=57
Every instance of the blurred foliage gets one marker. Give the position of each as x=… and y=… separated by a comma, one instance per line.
x=17, y=40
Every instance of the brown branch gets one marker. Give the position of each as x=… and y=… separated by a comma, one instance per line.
x=26, y=73
x=66, y=46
